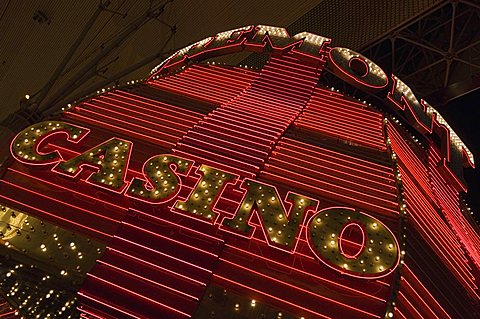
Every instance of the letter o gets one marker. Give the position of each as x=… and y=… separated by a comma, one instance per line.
x=357, y=70
x=377, y=258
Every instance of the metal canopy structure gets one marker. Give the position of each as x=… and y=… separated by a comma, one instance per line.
x=437, y=53
x=66, y=50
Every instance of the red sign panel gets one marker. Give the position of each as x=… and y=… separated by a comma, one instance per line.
x=228, y=192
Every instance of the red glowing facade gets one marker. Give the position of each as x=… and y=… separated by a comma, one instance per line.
x=211, y=191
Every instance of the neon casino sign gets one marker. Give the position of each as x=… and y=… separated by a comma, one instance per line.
x=160, y=183
x=282, y=221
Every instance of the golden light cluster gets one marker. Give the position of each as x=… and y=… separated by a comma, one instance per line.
x=378, y=253
x=24, y=146
x=42, y=265
x=161, y=182
x=111, y=159
x=280, y=229
x=201, y=200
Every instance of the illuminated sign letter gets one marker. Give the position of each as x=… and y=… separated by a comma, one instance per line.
x=223, y=42
x=110, y=160
x=25, y=146
x=203, y=197
x=278, y=38
x=311, y=45
x=403, y=98
x=230, y=38
x=189, y=51
x=354, y=68
x=451, y=156
x=280, y=228
x=160, y=182
x=377, y=255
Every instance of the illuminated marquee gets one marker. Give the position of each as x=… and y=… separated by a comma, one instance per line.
x=344, y=63
x=281, y=222
x=161, y=181
x=226, y=191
